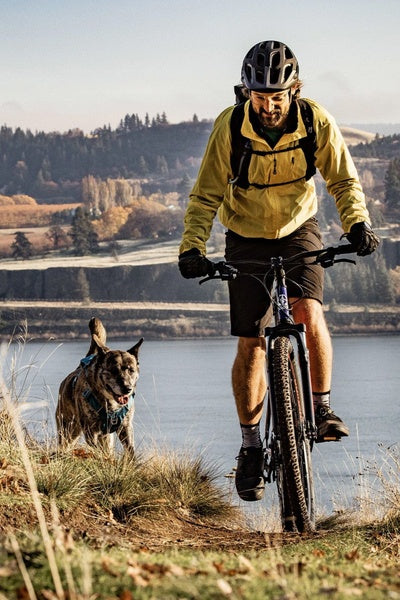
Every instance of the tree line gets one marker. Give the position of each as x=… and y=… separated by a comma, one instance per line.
x=81, y=237
x=108, y=172
x=392, y=188
x=387, y=146
x=51, y=165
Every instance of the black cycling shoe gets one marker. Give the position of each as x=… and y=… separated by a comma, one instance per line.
x=249, y=476
x=329, y=427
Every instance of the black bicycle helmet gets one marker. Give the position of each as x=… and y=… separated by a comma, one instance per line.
x=269, y=67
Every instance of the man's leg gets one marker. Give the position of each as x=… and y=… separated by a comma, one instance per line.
x=249, y=388
x=248, y=379
x=319, y=343
x=310, y=312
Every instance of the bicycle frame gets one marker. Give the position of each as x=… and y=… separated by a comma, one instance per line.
x=289, y=424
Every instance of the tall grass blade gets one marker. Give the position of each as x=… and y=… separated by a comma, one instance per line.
x=19, y=434
x=22, y=567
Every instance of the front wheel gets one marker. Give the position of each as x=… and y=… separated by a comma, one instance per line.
x=293, y=461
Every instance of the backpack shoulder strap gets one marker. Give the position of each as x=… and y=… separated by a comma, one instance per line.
x=241, y=148
x=309, y=143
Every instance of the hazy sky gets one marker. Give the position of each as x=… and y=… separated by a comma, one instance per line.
x=86, y=63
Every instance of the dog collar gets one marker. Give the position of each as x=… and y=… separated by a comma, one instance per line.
x=109, y=421
x=86, y=360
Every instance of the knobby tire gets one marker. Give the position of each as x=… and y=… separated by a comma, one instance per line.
x=294, y=471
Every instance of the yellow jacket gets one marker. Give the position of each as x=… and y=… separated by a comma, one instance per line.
x=276, y=211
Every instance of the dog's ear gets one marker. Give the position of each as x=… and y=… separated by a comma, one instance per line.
x=135, y=349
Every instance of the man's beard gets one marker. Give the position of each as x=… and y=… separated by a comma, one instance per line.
x=273, y=119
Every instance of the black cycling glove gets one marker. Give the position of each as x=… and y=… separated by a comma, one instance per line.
x=363, y=239
x=193, y=264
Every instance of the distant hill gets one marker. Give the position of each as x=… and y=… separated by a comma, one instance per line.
x=356, y=136
x=384, y=147
x=377, y=128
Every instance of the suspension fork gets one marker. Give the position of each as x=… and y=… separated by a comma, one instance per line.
x=298, y=332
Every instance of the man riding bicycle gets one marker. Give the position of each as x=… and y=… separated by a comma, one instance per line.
x=271, y=212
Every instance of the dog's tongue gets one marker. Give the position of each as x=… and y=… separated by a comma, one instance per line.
x=122, y=399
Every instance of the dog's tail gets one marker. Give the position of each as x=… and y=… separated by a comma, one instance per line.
x=96, y=329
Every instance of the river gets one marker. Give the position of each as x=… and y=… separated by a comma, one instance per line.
x=184, y=403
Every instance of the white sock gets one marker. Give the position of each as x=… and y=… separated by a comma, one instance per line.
x=322, y=399
x=251, y=435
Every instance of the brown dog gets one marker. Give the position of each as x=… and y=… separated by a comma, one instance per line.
x=97, y=398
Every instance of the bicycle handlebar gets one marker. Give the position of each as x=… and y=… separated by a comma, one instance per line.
x=324, y=257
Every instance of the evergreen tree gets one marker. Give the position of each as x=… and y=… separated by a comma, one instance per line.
x=392, y=185
x=84, y=237
x=380, y=279
x=143, y=168
x=57, y=236
x=162, y=165
x=184, y=188
x=21, y=246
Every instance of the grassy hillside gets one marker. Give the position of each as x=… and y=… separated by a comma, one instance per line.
x=83, y=526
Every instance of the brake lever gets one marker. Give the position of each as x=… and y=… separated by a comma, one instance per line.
x=208, y=279
x=348, y=260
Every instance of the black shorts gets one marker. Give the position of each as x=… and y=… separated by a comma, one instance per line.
x=250, y=305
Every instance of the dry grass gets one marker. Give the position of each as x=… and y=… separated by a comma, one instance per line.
x=36, y=235
x=386, y=493
x=68, y=522
x=31, y=216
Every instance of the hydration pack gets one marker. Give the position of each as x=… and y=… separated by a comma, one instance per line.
x=242, y=147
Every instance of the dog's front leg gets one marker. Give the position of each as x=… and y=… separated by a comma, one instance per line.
x=98, y=440
x=125, y=435
x=68, y=430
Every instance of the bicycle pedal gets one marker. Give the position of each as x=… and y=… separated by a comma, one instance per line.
x=327, y=438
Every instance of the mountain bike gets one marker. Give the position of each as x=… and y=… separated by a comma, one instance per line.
x=290, y=429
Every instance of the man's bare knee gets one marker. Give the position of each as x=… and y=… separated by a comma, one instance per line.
x=251, y=346
x=309, y=311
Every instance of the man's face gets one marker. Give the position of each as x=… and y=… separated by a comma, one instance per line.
x=271, y=108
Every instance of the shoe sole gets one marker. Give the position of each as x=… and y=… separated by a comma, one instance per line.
x=253, y=495
x=333, y=433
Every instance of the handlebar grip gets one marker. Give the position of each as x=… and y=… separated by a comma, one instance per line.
x=221, y=270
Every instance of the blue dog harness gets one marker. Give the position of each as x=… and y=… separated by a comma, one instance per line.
x=109, y=421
